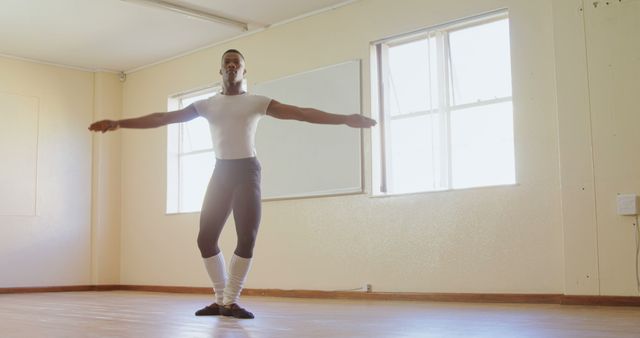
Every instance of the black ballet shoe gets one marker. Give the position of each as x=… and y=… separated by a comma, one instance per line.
x=234, y=310
x=210, y=310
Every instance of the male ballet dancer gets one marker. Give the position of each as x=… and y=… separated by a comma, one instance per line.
x=233, y=116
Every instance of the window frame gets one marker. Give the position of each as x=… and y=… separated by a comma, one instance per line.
x=381, y=88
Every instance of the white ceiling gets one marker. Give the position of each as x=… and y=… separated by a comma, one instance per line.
x=114, y=35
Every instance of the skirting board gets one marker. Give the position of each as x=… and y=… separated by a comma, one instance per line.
x=397, y=296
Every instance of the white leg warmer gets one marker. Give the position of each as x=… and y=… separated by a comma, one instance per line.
x=217, y=272
x=238, y=269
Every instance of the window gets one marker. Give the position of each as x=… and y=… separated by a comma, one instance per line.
x=445, y=104
x=190, y=157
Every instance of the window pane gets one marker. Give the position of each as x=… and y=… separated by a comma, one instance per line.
x=195, y=135
x=480, y=62
x=415, y=154
x=482, y=146
x=409, y=75
x=195, y=172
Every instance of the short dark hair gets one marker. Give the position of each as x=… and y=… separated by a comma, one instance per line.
x=233, y=51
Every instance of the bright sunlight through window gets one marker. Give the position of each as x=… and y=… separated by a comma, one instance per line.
x=446, y=115
x=190, y=157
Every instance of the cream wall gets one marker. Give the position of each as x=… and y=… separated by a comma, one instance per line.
x=613, y=66
x=105, y=234
x=578, y=186
x=505, y=239
x=598, y=67
x=68, y=240
x=51, y=246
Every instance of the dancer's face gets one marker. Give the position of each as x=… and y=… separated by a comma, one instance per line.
x=232, y=68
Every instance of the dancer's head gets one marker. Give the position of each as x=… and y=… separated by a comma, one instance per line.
x=232, y=67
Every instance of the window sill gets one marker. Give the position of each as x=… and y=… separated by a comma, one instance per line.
x=386, y=195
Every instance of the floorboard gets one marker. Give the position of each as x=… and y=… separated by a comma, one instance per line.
x=147, y=314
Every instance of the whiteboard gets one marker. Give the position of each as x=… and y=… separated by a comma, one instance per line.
x=301, y=159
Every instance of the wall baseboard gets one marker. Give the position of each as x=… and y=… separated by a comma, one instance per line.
x=354, y=295
x=168, y=289
x=411, y=296
x=65, y=288
x=601, y=300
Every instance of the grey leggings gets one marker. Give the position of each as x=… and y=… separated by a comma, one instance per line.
x=234, y=185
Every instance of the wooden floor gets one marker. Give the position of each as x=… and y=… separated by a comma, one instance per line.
x=140, y=314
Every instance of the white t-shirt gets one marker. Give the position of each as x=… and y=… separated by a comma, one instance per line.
x=233, y=120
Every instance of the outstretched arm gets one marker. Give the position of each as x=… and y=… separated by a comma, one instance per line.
x=289, y=112
x=148, y=121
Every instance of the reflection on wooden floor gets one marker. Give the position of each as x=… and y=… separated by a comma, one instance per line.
x=140, y=314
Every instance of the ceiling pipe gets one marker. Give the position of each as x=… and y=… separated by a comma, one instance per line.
x=192, y=12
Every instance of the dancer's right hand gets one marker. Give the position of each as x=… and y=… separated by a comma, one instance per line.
x=104, y=126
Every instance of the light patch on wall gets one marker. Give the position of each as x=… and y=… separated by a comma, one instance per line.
x=19, y=154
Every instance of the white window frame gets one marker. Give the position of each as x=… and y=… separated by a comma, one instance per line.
x=381, y=72
x=175, y=150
